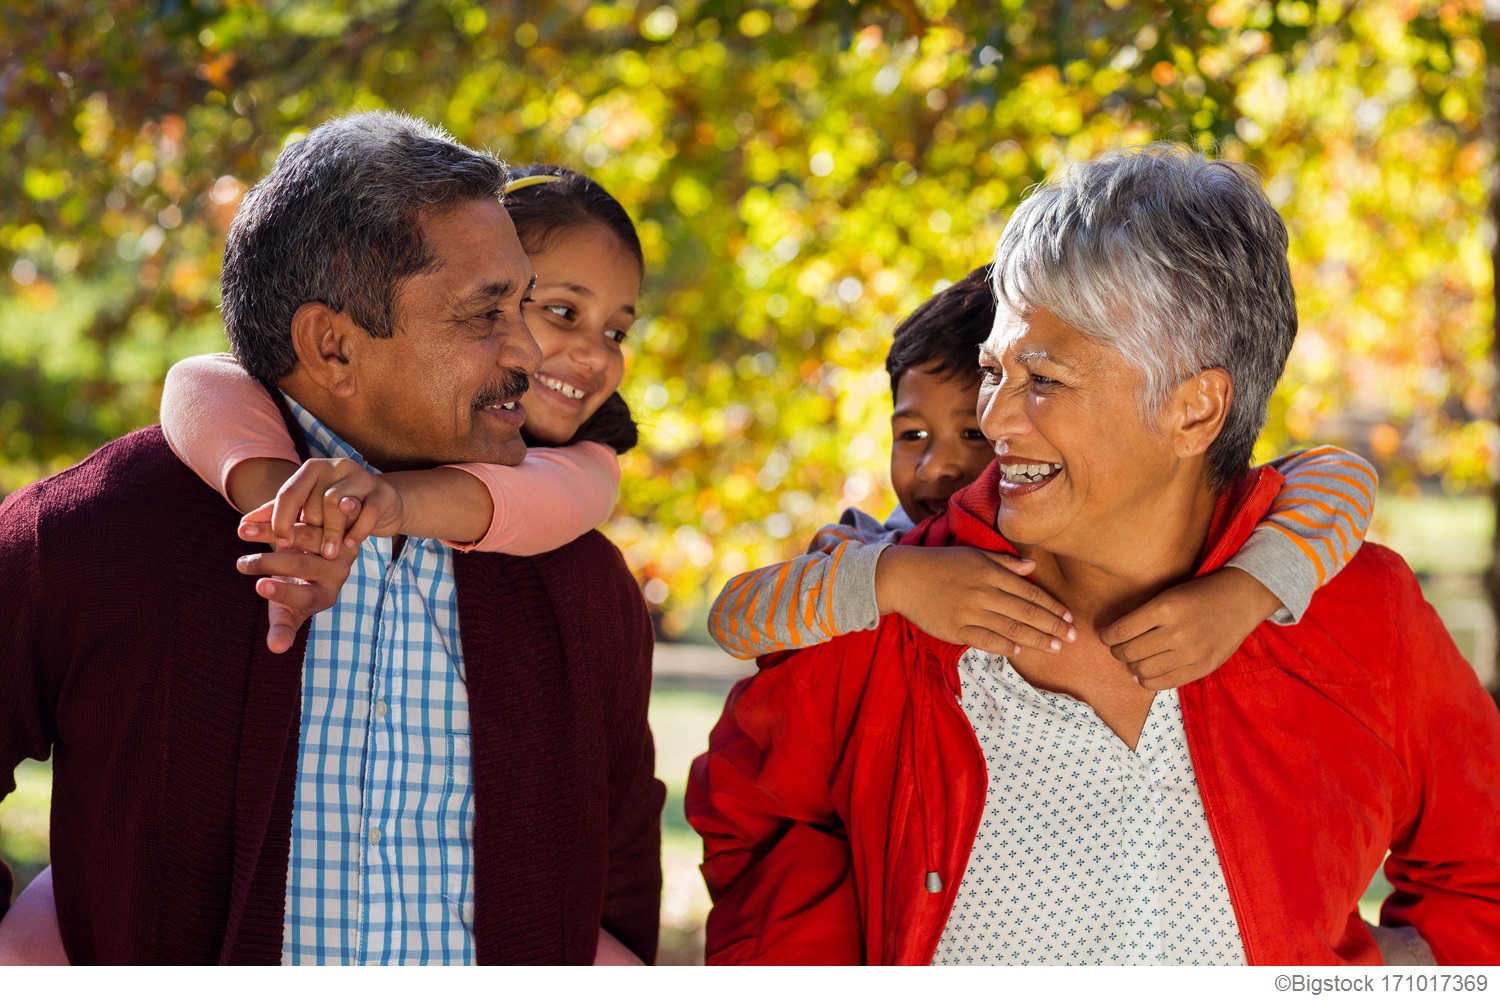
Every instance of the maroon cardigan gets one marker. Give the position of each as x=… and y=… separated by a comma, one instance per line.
x=133, y=652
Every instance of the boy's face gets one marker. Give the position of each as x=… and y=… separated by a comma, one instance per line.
x=936, y=447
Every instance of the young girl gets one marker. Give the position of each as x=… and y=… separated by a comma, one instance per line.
x=588, y=261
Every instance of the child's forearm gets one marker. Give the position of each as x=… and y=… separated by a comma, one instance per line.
x=443, y=503
x=255, y=481
x=797, y=604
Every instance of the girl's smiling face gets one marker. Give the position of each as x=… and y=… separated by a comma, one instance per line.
x=580, y=315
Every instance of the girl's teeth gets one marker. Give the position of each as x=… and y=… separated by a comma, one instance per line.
x=562, y=387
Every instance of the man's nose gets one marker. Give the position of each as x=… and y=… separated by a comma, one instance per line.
x=520, y=350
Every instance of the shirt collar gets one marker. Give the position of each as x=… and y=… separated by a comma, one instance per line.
x=322, y=442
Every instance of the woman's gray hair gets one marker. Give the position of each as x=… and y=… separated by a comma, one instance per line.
x=337, y=221
x=1177, y=261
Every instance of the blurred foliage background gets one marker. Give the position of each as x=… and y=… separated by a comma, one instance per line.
x=803, y=174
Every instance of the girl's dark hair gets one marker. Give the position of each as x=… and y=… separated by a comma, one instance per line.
x=943, y=334
x=541, y=211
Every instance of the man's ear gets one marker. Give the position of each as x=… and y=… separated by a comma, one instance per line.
x=324, y=341
x=1201, y=404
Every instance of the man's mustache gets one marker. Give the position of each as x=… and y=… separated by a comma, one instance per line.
x=514, y=385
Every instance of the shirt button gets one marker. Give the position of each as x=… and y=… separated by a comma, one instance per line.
x=380, y=709
x=375, y=836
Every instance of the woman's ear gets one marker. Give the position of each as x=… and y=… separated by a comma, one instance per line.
x=1202, y=405
x=324, y=340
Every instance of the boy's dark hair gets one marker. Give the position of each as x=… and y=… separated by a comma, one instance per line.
x=543, y=210
x=943, y=334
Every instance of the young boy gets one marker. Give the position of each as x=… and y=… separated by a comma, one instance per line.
x=853, y=574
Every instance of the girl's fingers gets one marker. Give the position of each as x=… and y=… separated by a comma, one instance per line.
x=334, y=520
x=367, y=516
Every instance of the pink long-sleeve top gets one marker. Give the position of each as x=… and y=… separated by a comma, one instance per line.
x=215, y=416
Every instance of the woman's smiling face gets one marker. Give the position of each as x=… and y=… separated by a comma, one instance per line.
x=1080, y=469
x=580, y=315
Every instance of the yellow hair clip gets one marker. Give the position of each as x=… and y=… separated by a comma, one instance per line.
x=532, y=181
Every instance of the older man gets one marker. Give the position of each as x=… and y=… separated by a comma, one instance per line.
x=461, y=770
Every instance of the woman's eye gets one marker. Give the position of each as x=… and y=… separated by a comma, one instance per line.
x=561, y=312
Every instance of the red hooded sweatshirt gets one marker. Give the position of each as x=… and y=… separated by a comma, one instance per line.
x=842, y=790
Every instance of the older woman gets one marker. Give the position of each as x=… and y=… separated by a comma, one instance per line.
x=888, y=798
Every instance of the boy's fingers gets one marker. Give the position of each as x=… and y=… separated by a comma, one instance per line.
x=1141, y=648
x=1018, y=633
x=1019, y=609
x=1018, y=586
x=1171, y=674
x=1138, y=622
x=989, y=642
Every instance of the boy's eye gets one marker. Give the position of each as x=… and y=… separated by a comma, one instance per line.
x=561, y=312
x=618, y=336
x=975, y=434
x=913, y=435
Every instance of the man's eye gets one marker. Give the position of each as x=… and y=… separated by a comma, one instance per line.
x=1044, y=383
x=989, y=374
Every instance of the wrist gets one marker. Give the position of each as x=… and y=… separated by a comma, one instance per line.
x=890, y=577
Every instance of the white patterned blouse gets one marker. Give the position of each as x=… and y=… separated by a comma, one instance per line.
x=1088, y=853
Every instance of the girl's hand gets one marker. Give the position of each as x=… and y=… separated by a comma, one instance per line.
x=299, y=581
x=343, y=498
x=1188, y=632
x=968, y=596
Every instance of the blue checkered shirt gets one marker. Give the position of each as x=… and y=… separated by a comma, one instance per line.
x=381, y=865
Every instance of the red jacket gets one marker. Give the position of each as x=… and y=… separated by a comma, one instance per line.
x=835, y=782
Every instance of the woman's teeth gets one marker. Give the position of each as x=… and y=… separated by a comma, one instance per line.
x=1028, y=473
x=562, y=387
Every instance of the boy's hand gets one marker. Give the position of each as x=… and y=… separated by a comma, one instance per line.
x=299, y=582
x=980, y=599
x=343, y=498
x=1188, y=631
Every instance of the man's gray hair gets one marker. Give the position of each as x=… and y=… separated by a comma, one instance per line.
x=337, y=221
x=1177, y=261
